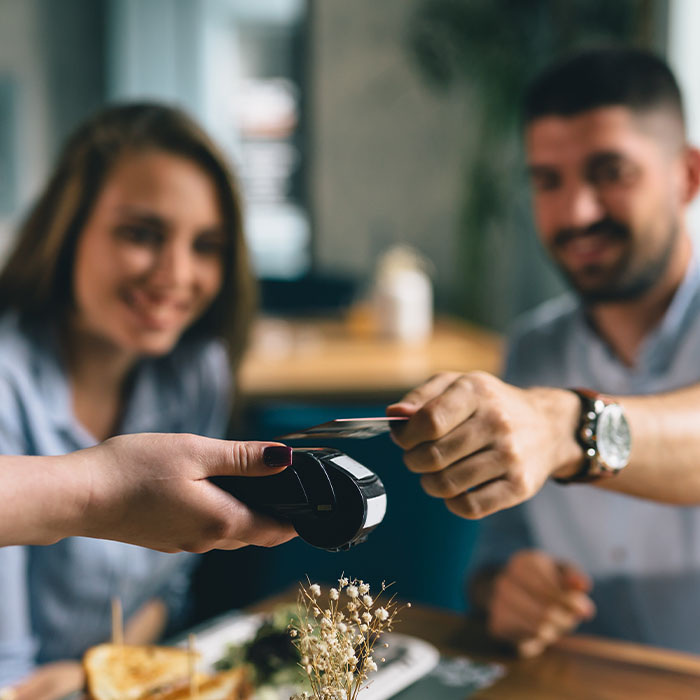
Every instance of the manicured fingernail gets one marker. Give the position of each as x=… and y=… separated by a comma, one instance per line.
x=277, y=456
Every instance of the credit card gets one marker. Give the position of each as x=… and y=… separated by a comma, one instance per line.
x=358, y=428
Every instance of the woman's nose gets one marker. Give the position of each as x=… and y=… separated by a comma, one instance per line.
x=173, y=266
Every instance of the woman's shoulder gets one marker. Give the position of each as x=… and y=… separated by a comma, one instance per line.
x=206, y=359
x=18, y=344
x=193, y=369
x=188, y=390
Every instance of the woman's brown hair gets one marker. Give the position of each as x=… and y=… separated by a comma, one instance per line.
x=37, y=279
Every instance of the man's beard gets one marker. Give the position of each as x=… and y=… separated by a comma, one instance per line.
x=629, y=278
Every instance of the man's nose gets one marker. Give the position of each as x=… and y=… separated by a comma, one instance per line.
x=581, y=206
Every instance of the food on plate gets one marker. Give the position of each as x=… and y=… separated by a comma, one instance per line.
x=270, y=656
x=227, y=685
x=125, y=672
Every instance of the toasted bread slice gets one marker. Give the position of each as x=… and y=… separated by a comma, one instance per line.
x=124, y=672
x=227, y=685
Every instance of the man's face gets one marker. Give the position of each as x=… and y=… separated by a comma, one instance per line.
x=607, y=195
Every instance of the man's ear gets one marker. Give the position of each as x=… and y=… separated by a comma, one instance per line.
x=691, y=164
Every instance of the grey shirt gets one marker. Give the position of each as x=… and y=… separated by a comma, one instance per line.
x=644, y=557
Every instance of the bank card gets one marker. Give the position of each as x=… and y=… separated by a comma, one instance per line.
x=357, y=428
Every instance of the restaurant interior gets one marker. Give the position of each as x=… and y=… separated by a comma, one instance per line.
x=367, y=137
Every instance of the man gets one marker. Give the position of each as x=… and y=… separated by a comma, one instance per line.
x=145, y=489
x=612, y=178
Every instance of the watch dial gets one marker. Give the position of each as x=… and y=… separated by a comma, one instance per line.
x=613, y=437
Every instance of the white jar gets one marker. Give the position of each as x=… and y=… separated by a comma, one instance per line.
x=403, y=297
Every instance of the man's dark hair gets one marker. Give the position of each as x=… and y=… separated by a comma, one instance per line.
x=604, y=77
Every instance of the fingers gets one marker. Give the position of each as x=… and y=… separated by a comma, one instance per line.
x=263, y=532
x=544, y=577
x=417, y=397
x=521, y=618
x=242, y=458
x=53, y=680
x=579, y=604
x=258, y=530
x=574, y=578
x=227, y=523
x=464, y=441
x=531, y=606
x=484, y=500
x=453, y=481
x=435, y=409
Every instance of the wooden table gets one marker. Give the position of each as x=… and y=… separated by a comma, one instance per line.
x=311, y=358
x=576, y=668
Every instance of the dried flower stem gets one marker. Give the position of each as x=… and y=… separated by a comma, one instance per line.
x=336, y=643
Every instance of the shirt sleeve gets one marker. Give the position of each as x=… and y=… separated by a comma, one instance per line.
x=12, y=438
x=18, y=645
x=176, y=594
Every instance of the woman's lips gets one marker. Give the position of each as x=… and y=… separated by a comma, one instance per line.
x=156, y=313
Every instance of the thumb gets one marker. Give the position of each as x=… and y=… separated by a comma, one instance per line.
x=402, y=408
x=418, y=397
x=244, y=458
x=573, y=578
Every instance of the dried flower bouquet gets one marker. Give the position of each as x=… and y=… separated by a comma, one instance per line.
x=336, y=643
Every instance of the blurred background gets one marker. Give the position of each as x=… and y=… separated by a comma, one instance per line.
x=354, y=127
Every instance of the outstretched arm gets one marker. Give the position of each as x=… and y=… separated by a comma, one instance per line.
x=147, y=489
x=484, y=445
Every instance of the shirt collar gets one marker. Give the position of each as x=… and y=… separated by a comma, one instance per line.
x=659, y=345
x=152, y=399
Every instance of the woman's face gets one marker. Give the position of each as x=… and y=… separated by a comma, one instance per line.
x=150, y=259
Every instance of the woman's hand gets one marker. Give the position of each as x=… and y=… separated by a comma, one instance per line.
x=51, y=682
x=153, y=490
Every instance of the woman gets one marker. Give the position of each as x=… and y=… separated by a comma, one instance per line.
x=123, y=306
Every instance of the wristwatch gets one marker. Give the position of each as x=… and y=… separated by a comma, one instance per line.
x=604, y=436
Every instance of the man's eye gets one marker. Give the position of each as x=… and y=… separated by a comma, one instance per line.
x=544, y=182
x=608, y=173
x=612, y=174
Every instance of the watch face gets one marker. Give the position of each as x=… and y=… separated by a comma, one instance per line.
x=613, y=437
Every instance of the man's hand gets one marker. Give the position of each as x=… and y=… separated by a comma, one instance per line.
x=483, y=445
x=535, y=600
x=153, y=490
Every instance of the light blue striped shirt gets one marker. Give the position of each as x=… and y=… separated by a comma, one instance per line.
x=55, y=600
x=644, y=557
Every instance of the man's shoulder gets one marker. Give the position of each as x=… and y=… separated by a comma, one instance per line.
x=537, y=344
x=551, y=319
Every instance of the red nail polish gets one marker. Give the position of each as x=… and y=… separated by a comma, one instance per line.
x=277, y=456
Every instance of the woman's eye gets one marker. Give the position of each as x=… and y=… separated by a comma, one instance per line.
x=210, y=246
x=140, y=234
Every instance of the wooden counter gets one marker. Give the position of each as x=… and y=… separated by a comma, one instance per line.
x=303, y=359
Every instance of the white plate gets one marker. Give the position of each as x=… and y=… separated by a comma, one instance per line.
x=407, y=658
